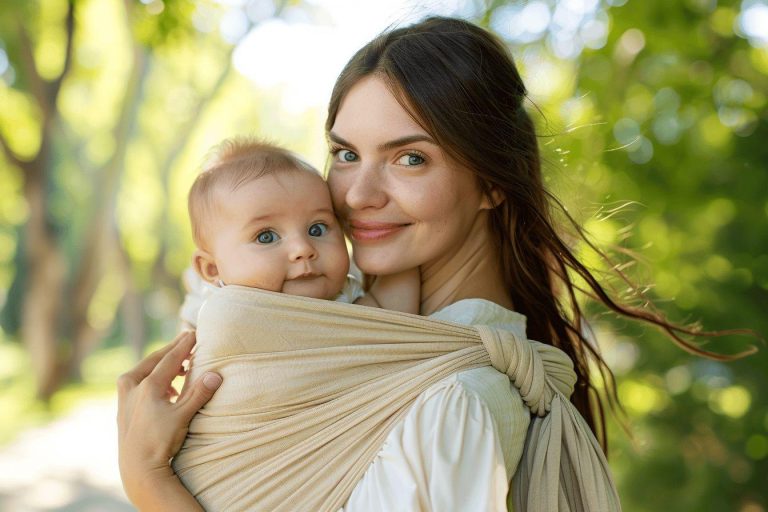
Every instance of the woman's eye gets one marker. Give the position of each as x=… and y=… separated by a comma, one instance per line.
x=345, y=156
x=318, y=229
x=267, y=237
x=411, y=159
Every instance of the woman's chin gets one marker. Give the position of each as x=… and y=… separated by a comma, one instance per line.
x=378, y=263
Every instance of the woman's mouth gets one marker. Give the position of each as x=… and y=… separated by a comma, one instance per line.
x=365, y=231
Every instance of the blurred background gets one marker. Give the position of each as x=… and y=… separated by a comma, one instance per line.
x=653, y=118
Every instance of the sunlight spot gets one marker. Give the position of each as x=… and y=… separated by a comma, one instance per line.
x=595, y=33
x=629, y=45
x=603, y=231
x=719, y=212
x=234, y=25
x=678, y=379
x=521, y=25
x=641, y=397
x=565, y=18
x=722, y=21
x=713, y=132
x=753, y=22
x=155, y=7
x=732, y=401
x=535, y=17
x=642, y=151
x=626, y=130
x=666, y=128
x=759, y=59
x=621, y=356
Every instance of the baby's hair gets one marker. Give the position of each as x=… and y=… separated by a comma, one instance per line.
x=231, y=164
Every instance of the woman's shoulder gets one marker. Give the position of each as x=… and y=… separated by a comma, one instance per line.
x=485, y=382
x=483, y=312
x=491, y=388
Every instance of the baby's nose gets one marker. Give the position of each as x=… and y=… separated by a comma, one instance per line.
x=302, y=249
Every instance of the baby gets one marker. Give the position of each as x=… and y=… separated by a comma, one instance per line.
x=262, y=217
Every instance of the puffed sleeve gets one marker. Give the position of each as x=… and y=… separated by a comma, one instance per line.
x=198, y=291
x=455, y=450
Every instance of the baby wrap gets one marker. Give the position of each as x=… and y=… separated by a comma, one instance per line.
x=312, y=388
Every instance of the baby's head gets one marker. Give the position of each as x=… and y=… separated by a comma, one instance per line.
x=262, y=217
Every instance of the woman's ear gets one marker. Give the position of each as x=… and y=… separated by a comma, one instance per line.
x=492, y=200
x=205, y=265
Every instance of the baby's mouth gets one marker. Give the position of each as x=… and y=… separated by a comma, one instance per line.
x=305, y=276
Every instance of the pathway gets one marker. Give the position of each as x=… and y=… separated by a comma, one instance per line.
x=68, y=465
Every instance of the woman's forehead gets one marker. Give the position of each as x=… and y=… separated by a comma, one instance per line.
x=371, y=110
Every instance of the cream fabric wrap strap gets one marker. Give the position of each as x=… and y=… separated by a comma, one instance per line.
x=312, y=388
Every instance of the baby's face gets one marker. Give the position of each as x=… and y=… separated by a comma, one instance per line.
x=279, y=233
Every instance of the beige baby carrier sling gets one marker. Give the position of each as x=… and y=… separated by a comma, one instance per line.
x=312, y=388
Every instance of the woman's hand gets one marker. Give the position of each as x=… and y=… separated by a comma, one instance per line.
x=151, y=428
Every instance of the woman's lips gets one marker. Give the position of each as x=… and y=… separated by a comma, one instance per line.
x=369, y=231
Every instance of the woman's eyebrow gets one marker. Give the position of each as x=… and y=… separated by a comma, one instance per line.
x=335, y=138
x=386, y=146
x=408, y=139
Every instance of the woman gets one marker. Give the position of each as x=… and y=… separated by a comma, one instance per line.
x=435, y=165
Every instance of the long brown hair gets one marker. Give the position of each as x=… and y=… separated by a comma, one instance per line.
x=459, y=82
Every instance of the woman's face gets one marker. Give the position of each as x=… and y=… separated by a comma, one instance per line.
x=401, y=199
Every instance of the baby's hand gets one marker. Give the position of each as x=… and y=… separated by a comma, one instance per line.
x=397, y=292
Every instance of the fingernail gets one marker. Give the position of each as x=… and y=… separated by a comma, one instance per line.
x=211, y=380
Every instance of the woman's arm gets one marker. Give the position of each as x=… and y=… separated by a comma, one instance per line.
x=151, y=428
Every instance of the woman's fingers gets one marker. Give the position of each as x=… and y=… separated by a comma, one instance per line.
x=197, y=395
x=167, y=368
x=147, y=365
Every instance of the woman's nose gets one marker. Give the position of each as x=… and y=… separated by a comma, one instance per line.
x=302, y=248
x=365, y=188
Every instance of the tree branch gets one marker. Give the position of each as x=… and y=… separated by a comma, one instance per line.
x=69, y=25
x=36, y=82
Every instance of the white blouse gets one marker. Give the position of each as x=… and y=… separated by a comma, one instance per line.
x=458, y=446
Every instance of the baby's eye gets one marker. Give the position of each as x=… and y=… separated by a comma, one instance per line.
x=411, y=159
x=318, y=229
x=267, y=237
x=345, y=156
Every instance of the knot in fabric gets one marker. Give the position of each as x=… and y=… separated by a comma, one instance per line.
x=537, y=370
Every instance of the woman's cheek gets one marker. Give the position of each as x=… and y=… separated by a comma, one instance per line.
x=338, y=188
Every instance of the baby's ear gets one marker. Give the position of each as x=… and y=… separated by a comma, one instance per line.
x=205, y=265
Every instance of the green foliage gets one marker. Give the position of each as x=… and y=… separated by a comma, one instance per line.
x=159, y=21
x=663, y=132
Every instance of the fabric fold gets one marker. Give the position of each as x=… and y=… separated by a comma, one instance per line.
x=312, y=388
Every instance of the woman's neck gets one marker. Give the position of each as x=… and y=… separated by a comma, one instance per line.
x=470, y=272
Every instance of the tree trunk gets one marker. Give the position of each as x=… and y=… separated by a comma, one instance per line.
x=46, y=264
